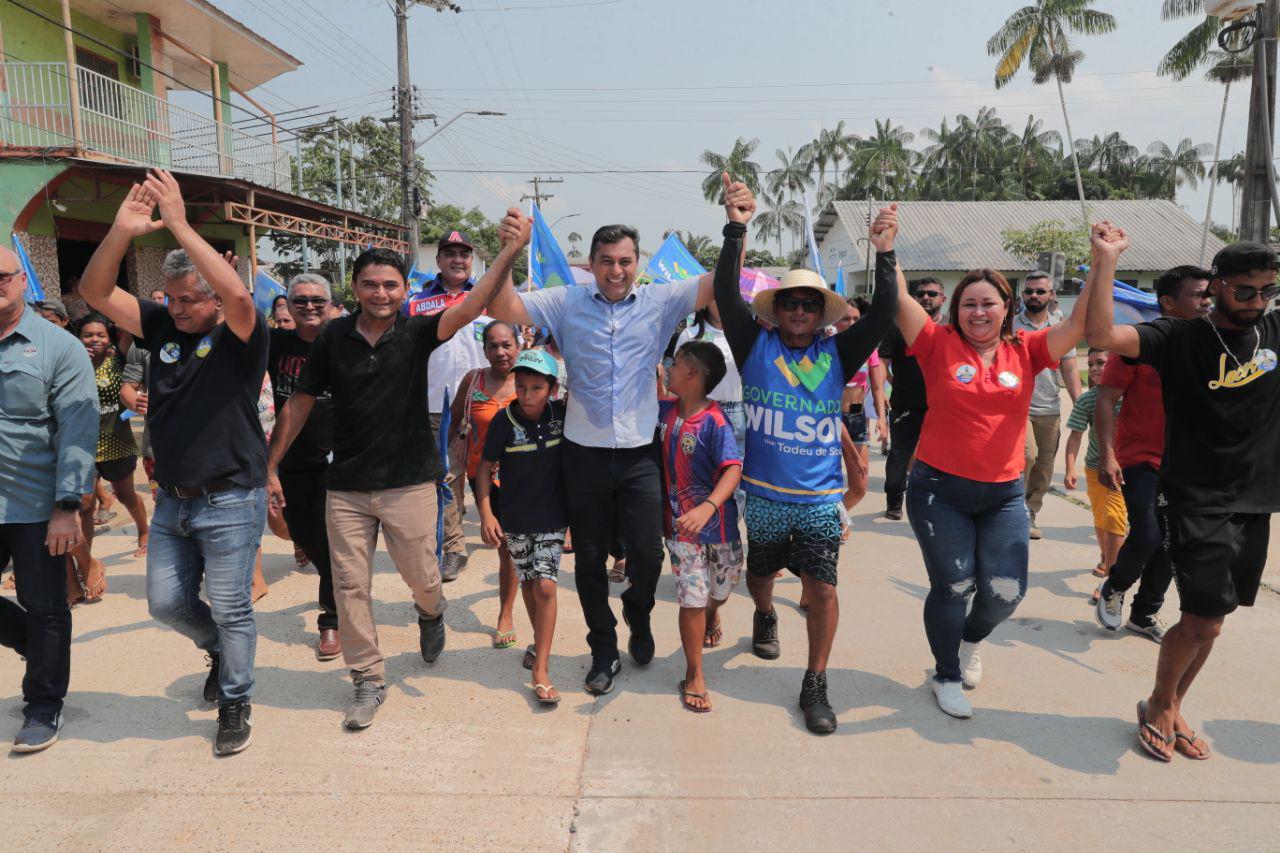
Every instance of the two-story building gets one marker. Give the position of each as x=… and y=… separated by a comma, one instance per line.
x=93, y=92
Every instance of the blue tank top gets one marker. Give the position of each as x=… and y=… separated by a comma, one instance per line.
x=792, y=403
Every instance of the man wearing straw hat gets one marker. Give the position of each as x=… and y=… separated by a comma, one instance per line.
x=792, y=380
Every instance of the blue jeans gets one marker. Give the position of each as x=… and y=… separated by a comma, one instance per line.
x=973, y=536
x=213, y=538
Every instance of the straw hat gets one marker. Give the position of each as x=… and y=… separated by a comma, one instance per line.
x=836, y=307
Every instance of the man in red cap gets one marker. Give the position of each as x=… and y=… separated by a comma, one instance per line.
x=445, y=368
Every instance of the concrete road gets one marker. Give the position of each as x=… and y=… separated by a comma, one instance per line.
x=462, y=758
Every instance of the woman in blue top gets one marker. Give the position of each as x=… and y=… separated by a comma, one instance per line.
x=792, y=380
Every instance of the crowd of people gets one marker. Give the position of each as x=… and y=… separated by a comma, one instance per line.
x=638, y=423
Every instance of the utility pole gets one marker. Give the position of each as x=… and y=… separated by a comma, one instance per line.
x=337, y=172
x=1259, y=181
x=297, y=147
x=404, y=111
x=538, y=195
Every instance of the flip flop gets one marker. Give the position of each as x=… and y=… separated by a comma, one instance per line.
x=300, y=559
x=686, y=695
x=504, y=639
x=530, y=655
x=103, y=516
x=545, y=697
x=1192, y=746
x=1099, y=571
x=713, y=636
x=1154, y=732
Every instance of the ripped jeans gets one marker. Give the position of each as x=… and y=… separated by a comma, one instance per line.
x=973, y=536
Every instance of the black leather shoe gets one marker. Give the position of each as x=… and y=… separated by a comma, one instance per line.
x=893, y=513
x=431, y=637
x=600, y=678
x=211, y=680
x=640, y=645
x=764, y=635
x=819, y=718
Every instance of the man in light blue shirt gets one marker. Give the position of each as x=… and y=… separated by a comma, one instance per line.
x=48, y=436
x=612, y=335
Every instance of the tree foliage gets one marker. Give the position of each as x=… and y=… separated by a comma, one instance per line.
x=1051, y=235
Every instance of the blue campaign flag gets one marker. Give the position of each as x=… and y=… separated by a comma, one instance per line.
x=839, y=288
x=34, y=292
x=548, y=267
x=673, y=262
x=265, y=290
x=809, y=239
x=418, y=280
x=1131, y=304
x=444, y=495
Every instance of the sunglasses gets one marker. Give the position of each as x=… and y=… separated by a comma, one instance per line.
x=1244, y=293
x=304, y=301
x=928, y=294
x=790, y=303
x=6, y=277
x=1035, y=293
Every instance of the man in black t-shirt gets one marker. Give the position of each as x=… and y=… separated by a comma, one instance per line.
x=907, y=402
x=209, y=355
x=1221, y=463
x=303, y=468
x=386, y=465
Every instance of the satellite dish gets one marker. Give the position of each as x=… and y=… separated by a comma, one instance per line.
x=1229, y=10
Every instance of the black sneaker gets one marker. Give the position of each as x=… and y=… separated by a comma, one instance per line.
x=819, y=718
x=764, y=635
x=640, y=645
x=600, y=678
x=451, y=566
x=893, y=513
x=39, y=731
x=235, y=727
x=211, y=680
x=431, y=637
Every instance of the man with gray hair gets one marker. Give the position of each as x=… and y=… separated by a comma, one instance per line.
x=304, y=467
x=209, y=355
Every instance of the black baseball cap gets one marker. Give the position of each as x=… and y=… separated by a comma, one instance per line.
x=455, y=238
x=1244, y=257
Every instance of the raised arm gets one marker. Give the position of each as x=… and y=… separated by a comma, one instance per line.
x=740, y=327
x=856, y=343
x=1107, y=242
x=908, y=314
x=514, y=232
x=237, y=302
x=98, y=282
x=739, y=206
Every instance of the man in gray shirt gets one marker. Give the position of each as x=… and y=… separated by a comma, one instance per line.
x=1044, y=427
x=48, y=436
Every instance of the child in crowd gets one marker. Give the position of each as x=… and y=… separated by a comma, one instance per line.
x=1110, y=518
x=528, y=515
x=701, y=469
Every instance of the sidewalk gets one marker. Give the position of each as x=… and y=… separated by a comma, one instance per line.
x=461, y=757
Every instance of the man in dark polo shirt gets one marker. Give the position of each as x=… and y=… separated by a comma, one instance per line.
x=385, y=465
x=907, y=403
x=209, y=355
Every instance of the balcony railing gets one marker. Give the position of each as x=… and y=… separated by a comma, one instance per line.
x=129, y=125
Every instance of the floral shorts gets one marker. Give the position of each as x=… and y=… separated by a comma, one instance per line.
x=536, y=555
x=704, y=571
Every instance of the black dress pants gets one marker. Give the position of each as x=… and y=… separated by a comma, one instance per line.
x=304, y=494
x=38, y=627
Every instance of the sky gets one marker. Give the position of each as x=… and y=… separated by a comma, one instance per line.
x=619, y=98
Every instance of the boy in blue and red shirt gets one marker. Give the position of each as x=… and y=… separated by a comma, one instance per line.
x=701, y=469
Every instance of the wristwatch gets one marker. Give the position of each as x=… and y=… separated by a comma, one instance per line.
x=68, y=504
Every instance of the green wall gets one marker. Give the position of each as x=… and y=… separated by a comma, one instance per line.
x=19, y=181
x=29, y=38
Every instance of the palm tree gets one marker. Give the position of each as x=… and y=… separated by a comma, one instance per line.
x=884, y=154
x=792, y=175
x=1179, y=166
x=1230, y=170
x=1038, y=36
x=835, y=146
x=737, y=163
x=776, y=217
x=574, y=239
x=1034, y=148
x=942, y=156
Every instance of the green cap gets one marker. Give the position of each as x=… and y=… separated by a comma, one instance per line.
x=539, y=361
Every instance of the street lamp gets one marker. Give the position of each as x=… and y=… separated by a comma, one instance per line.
x=553, y=225
x=441, y=128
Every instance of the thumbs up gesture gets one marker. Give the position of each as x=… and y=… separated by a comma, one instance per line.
x=739, y=203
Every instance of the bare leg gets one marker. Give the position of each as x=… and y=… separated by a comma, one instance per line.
x=133, y=503
x=1183, y=653
x=260, y=587
x=824, y=616
x=713, y=620
x=91, y=582
x=543, y=594
x=693, y=627
x=761, y=590
x=507, y=586
x=1111, y=544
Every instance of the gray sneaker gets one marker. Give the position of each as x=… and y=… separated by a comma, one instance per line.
x=369, y=698
x=451, y=565
x=1150, y=626
x=1109, y=611
x=39, y=731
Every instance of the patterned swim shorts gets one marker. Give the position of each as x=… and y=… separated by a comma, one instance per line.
x=704, y=571
x=536, y=555
x=804, y=538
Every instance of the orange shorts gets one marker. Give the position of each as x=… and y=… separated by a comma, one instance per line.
x=1109, y=512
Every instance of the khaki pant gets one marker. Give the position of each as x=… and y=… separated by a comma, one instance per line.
x=407, y=518
x=1043, y=433
x=454, y=540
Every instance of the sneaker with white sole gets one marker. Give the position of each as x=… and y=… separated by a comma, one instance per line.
x=951, y=698
x=970, y=665
x=1109, y=610
x=1149, y=626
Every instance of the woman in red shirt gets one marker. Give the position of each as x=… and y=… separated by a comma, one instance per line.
x=965, y=495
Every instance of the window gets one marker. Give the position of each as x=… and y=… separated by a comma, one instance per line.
x=96, y=94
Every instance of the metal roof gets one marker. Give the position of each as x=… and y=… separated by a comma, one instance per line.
x=965, y=235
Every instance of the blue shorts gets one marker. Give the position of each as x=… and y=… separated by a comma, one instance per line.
x=804, y=538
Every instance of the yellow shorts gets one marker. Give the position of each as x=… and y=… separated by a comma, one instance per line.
x=1109, y=512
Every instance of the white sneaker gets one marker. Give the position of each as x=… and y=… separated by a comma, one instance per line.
x=970, y=664
x=951, y=698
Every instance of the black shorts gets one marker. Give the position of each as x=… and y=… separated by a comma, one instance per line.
x=117, y=469
x=495, y=502
x=1217, y=558
x=804, y=538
